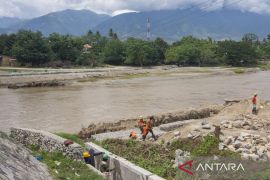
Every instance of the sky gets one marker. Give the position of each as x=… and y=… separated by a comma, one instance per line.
x=35, y=8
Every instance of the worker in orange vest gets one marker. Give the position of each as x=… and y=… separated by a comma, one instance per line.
x=141, y=123
x=148, y=127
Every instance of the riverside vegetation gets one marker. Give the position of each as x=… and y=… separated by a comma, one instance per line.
x=33, y=49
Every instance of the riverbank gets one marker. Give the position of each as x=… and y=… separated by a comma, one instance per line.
x=11, y=76
x=71, y=107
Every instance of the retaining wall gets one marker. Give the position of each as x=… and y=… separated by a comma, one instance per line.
x=121, y=168
x=46, y=141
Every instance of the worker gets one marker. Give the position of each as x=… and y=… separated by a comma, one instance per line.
x=89, y=156
x=133, y=135
x=141, y=123
x=254, y=104
x=151, y=124
x=104, y=167
x=148, y=127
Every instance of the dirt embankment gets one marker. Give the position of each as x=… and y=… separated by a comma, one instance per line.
x=160, y=119
x=14, y=76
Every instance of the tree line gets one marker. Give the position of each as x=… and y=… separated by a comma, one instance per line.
x=92, y=49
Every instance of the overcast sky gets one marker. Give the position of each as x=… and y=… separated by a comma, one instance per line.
x=34, y=8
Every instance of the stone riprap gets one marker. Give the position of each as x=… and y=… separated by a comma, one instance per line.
x=121, y=168
x=125, y=134
x=46, y=141
x=17, y=163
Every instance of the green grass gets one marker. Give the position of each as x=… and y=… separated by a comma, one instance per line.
x=68, y=168
x=158, y=159
x=264, y=67
x=238, y=70
x=72, y=137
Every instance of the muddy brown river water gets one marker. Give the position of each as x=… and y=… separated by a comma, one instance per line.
x=70, y=108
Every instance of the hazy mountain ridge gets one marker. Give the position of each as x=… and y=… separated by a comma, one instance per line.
x=74, y=22
x=168, y=24
x=173, y=24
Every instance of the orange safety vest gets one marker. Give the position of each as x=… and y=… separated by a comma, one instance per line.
x=145, y=130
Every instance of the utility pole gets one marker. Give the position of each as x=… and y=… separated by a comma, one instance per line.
x=148, y=29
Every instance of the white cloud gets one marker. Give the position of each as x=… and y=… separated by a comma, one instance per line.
x=115, y=13
x=30, y=8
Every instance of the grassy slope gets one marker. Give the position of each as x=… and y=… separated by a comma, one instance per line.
x=157, y=158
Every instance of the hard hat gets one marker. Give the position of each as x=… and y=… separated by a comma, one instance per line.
x=86, y=154
x=255, y=94
x=105, y=157
x=141, y=117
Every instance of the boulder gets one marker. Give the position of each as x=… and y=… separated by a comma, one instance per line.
x=237, y=144
x=221, y=146
x=256, y=136
x=247, y=127
x=254, y=157
x=228, y=140
x=245, y=156
x=247, y=146
x=190, y=135
x=206, y=126
x=224, y=122
x=241, y=138
x=181, y=156
x=245, y=135
x=237, y=124
x=226, y=125
x=176, y=133
x=253, y=149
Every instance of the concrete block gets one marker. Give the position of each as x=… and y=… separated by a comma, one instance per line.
x=155, y=177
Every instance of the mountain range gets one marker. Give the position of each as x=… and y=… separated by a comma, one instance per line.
x=168, y=24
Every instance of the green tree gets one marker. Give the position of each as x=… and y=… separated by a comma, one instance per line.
x=161, y=46
x=111, y=33
x=6, y=43
x=251, y=39
x=66, y=48
x=139, y=52
x=183, y=55
x=87, y=58
x=237, y=53
x=31, y=48
x=192, y=51
x=114, y=52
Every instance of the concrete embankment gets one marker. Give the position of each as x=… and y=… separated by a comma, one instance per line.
x=16, y=162
x=120, y=168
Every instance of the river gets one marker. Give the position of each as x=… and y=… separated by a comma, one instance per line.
x=69, y=108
